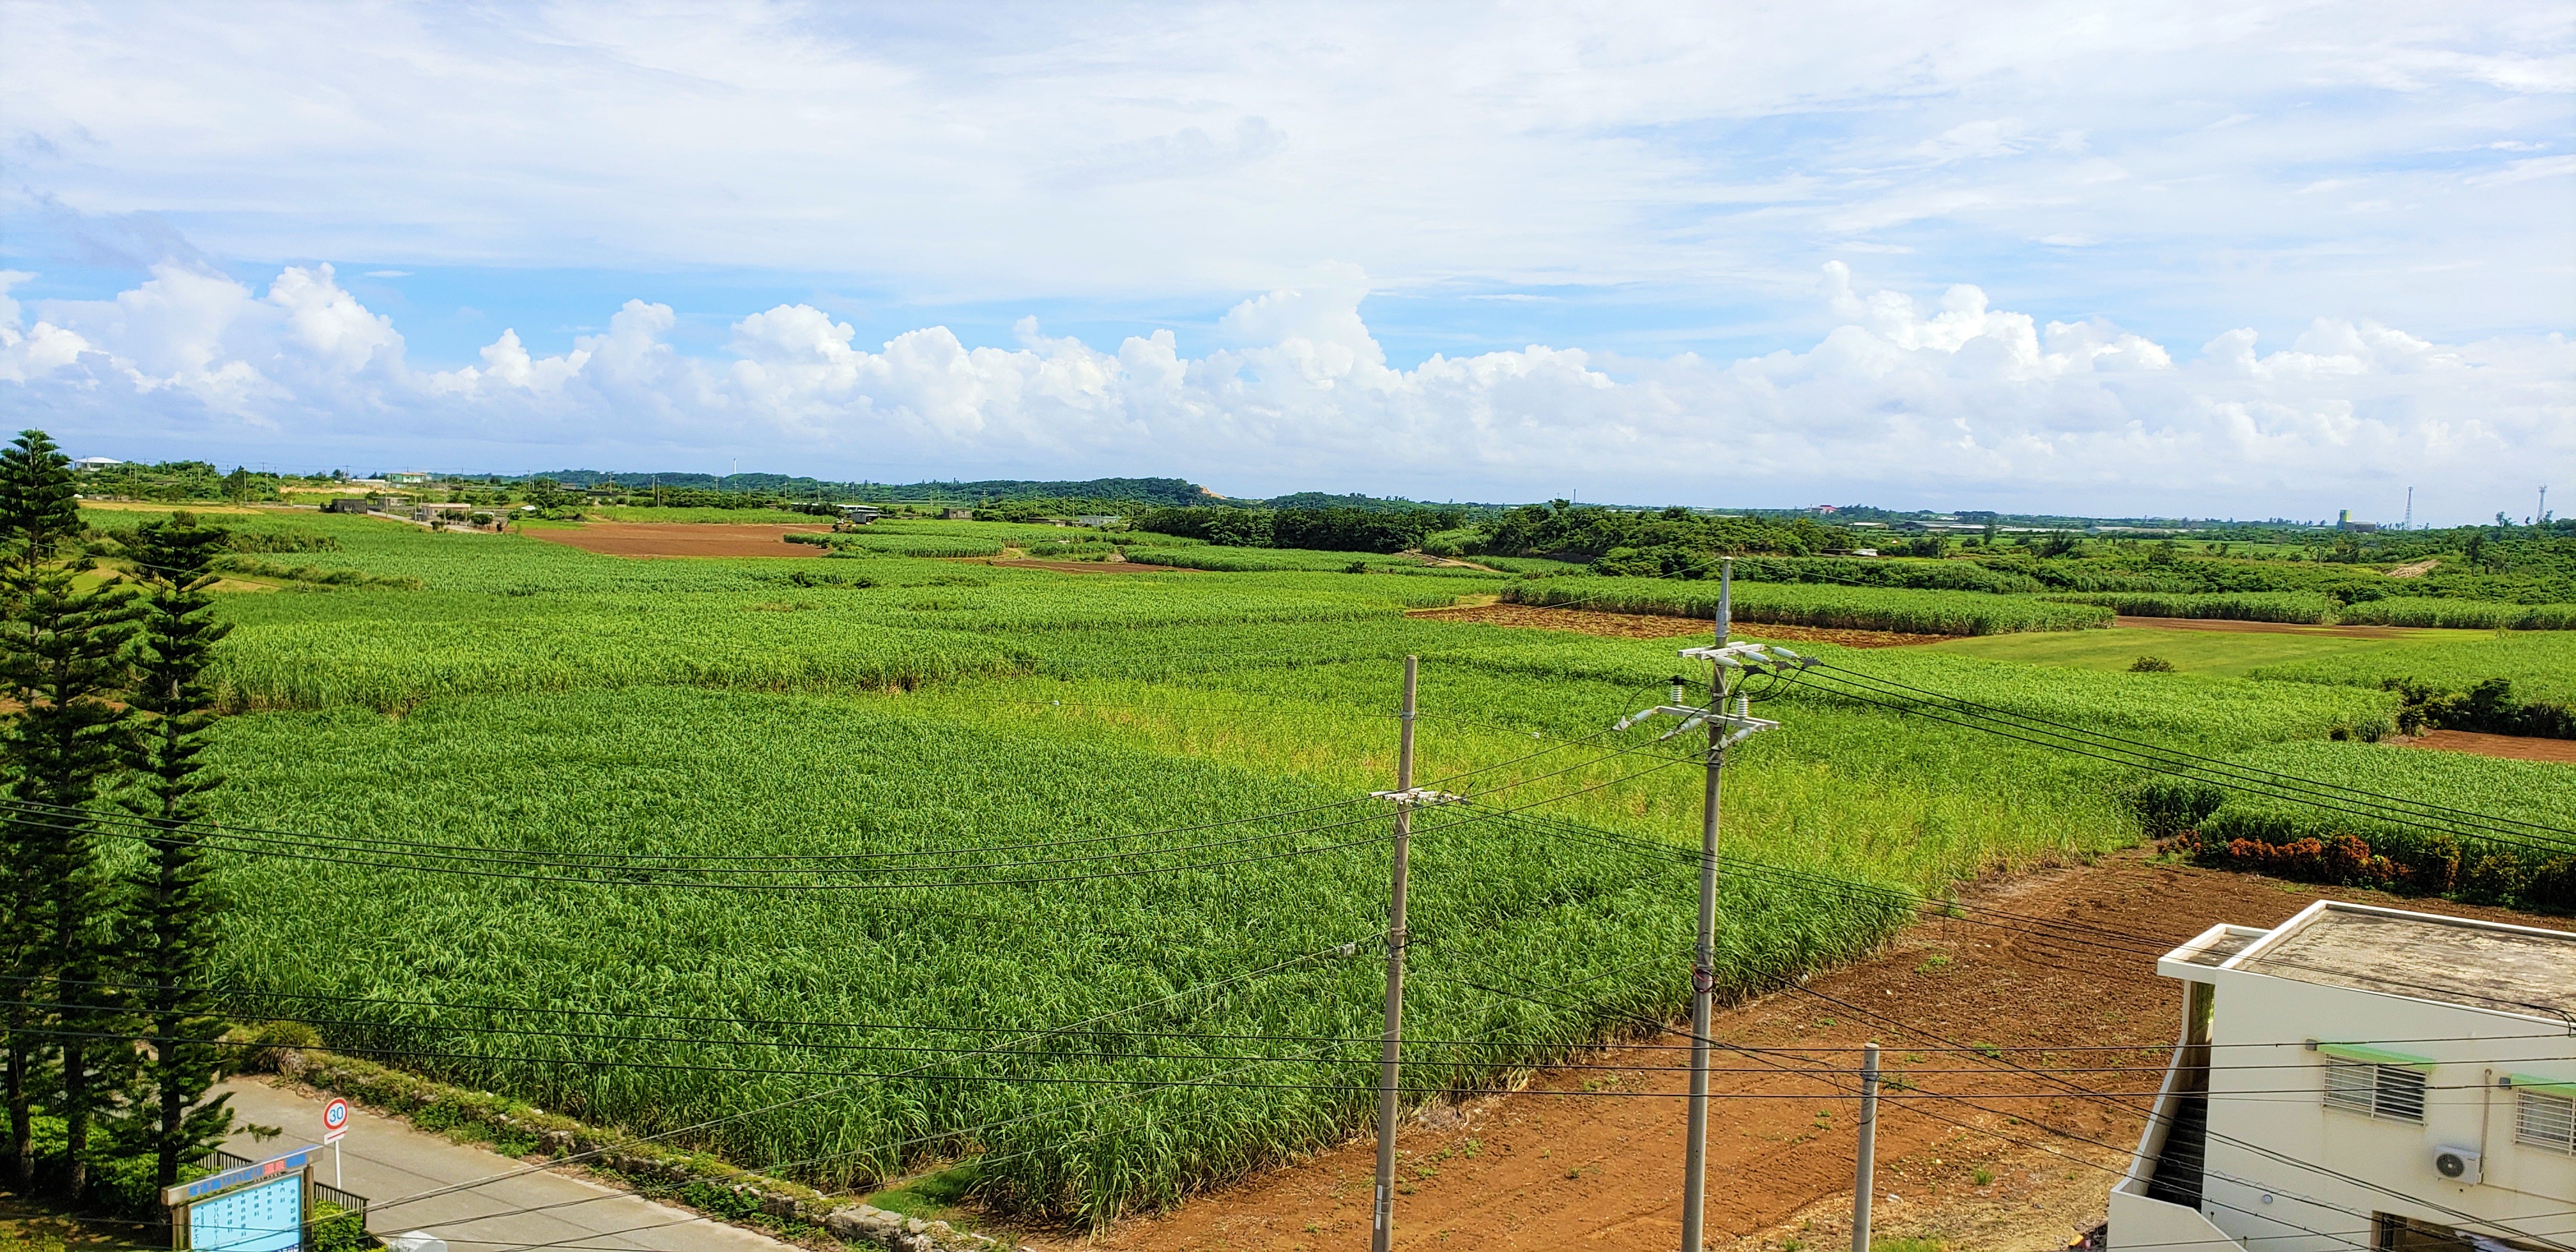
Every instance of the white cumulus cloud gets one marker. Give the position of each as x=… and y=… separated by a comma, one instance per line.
x=1951, y=400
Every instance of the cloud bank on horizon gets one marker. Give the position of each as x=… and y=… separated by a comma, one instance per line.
x=2228, y=256
x=1958, y=399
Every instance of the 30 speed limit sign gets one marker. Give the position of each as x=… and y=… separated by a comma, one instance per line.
x=335, y=1120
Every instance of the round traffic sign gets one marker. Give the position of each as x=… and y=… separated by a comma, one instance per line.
x=335, y=1115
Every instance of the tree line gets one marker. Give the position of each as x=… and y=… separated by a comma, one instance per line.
x=1331, y=529
x=111, y=1039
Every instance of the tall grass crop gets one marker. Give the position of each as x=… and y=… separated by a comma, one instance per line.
x=557, y=700
x=2541, y=665
x=672, y=772
x=1916, y=573
x=2463, y=614
x=1803, y=604
x=900, y=544
x=1529, y=564
x=1281, y=560
x=2366, y=849
x=2302, y=607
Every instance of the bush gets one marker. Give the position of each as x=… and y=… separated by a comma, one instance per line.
x=269, y=1045
x=2169, y=806
x=2488, y=707
x=2151, y=665
x=337, y=1230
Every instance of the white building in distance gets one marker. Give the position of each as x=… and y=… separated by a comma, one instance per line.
x=2363, y=1078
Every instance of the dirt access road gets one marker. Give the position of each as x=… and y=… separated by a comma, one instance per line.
x=2050, y=959
x=389, y=1162
x=680, y=539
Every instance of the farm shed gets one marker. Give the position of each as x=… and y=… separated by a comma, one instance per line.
x=347, y=504
x=2362, y=1077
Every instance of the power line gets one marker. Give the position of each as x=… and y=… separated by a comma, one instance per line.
x=2247, y=776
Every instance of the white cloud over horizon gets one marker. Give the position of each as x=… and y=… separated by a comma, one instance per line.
x=2257, y=161
x=1904, y=400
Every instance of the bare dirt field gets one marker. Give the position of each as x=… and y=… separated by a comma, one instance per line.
x=1655, y=626
x=2223, y=626
x=681, y=539
x=2510, y=747
x=1591, y=1157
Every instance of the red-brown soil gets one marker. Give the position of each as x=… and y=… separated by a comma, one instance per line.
x=2223, y=626
x=681, y=539
x=2043, y=961
x=2510, y=747
x=1655, y=626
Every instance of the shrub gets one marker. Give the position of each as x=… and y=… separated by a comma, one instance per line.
x=270, y=1044
x=2169, y=806
x=2151, y=665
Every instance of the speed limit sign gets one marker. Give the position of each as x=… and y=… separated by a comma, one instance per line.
x=335, y=1120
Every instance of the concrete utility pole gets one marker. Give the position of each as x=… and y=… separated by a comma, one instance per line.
x=1390, y=1060
x=1726, y=728
x=1866, y=1171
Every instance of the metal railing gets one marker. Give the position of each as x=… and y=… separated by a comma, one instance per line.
x=347, y=1201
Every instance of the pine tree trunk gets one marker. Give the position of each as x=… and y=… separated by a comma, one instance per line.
x=75, y=1118
x=22, y=1121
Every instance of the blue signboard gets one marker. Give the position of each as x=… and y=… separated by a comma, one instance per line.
x=268, y=1217
x=230, y=1178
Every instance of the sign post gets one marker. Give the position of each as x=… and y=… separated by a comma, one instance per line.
x=259, y=1207
x=335, y=1123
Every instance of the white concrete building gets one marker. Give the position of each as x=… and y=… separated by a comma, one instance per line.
x=2363, y=1078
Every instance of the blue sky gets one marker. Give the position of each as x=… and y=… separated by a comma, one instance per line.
x=1450, y=250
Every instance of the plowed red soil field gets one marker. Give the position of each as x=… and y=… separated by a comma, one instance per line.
x=2510, y=747
x=1591, y=1157
x=681, y=539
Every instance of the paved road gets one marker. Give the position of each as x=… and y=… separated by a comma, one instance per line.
x=384, y=1160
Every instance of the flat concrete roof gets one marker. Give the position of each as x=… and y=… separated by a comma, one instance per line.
x=2483, y=965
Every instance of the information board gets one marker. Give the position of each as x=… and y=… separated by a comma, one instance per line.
x=268, y=1217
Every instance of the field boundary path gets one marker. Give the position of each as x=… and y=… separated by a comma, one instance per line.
x=385, y=1159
